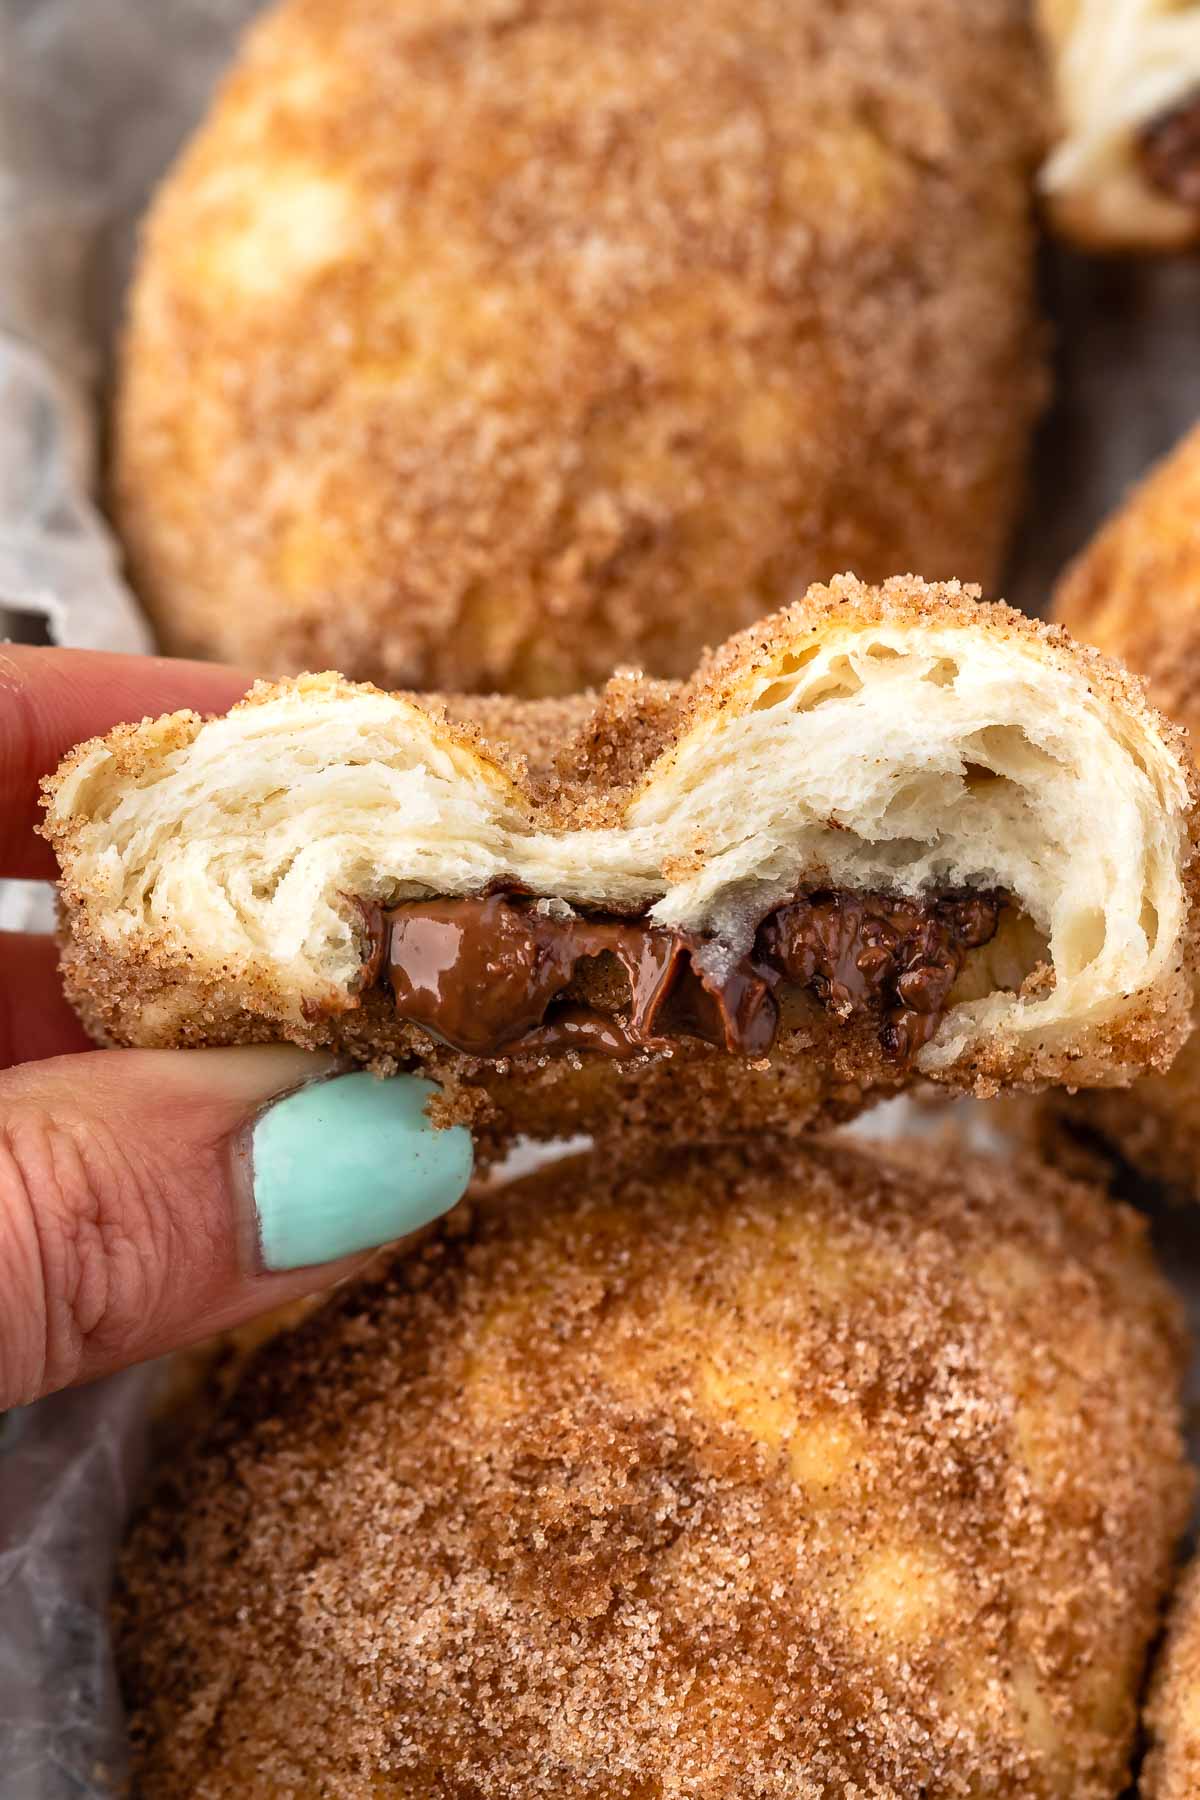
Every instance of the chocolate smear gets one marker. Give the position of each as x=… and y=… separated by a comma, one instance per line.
x=489, y=975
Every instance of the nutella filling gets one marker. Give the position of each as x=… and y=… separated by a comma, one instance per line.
x=494, y=975
x=1169, y=152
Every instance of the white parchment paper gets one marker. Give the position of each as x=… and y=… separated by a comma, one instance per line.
x=68, y=1470
x=94, y=97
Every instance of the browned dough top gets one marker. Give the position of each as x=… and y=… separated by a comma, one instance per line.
x=1134, y=591
x=781, y=1474
x=488, y=344
x=1172, y=1768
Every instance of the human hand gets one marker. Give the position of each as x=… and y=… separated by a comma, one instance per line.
x=149, y=1198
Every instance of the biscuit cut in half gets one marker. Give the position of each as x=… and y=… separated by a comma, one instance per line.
x=1134, y=592
x=790, y=1472
x=1125, y=172
x=1172, y=1767
x=886, y=832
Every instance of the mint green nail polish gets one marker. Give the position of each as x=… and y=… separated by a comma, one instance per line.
x=350, y=1163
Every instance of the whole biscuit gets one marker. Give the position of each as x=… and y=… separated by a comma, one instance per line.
x=785, y=1473
x=488, y=346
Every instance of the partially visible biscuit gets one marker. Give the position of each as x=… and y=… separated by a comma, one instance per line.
x=1125, y=172
x=1172, y=1766
x=1135, y=592
x=789, y=1472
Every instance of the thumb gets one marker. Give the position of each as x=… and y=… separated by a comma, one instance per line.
x=149, y=1198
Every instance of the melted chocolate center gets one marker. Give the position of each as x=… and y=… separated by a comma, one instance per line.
x=491, y=975
x=1169, y=152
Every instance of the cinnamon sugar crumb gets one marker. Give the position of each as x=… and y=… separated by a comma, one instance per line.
x=487, y=344
x=1172, y=1769
x=786, y=1473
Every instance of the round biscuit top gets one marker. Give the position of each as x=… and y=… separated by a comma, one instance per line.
x=489, y=344
x=785, y=1472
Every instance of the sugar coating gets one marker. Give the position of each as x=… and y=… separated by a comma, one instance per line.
x=785, y=1473
x=1134, y=591
x=1172, y=1766
x=490, y=345
x=141, y=969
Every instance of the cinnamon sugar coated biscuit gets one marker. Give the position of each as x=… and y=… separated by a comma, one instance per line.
x=1135, y=592
x=490, y=344
x=1135, y=589
x=758, y=1476
x=1125, y=171
x=1172, y=1767
x=884, y=832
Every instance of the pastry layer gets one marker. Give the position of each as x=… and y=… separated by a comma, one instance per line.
x=1125, y=173
x=791, y=1473
x=1134, y=590
x=218, y=877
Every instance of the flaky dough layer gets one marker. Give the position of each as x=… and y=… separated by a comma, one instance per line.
x=479, y=344
x=1125, y=172
x=905, y=739
x=789, y=1472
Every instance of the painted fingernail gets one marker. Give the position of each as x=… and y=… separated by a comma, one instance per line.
x=350, y=1163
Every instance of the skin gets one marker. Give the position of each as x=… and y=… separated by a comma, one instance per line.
x=126, y=1217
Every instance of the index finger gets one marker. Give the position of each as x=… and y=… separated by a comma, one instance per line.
x=51, y=700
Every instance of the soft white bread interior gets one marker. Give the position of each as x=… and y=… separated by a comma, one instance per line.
x=904, y=740
x=1119, y=65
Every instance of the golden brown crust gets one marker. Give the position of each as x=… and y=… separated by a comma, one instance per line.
x=1135, y=590
x=1135, y=593
x=787, y=1473
x=1172, y=1766
x=490, y=346
x=820, y=1072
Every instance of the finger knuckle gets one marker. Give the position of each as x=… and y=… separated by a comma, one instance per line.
x=79, y=1210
